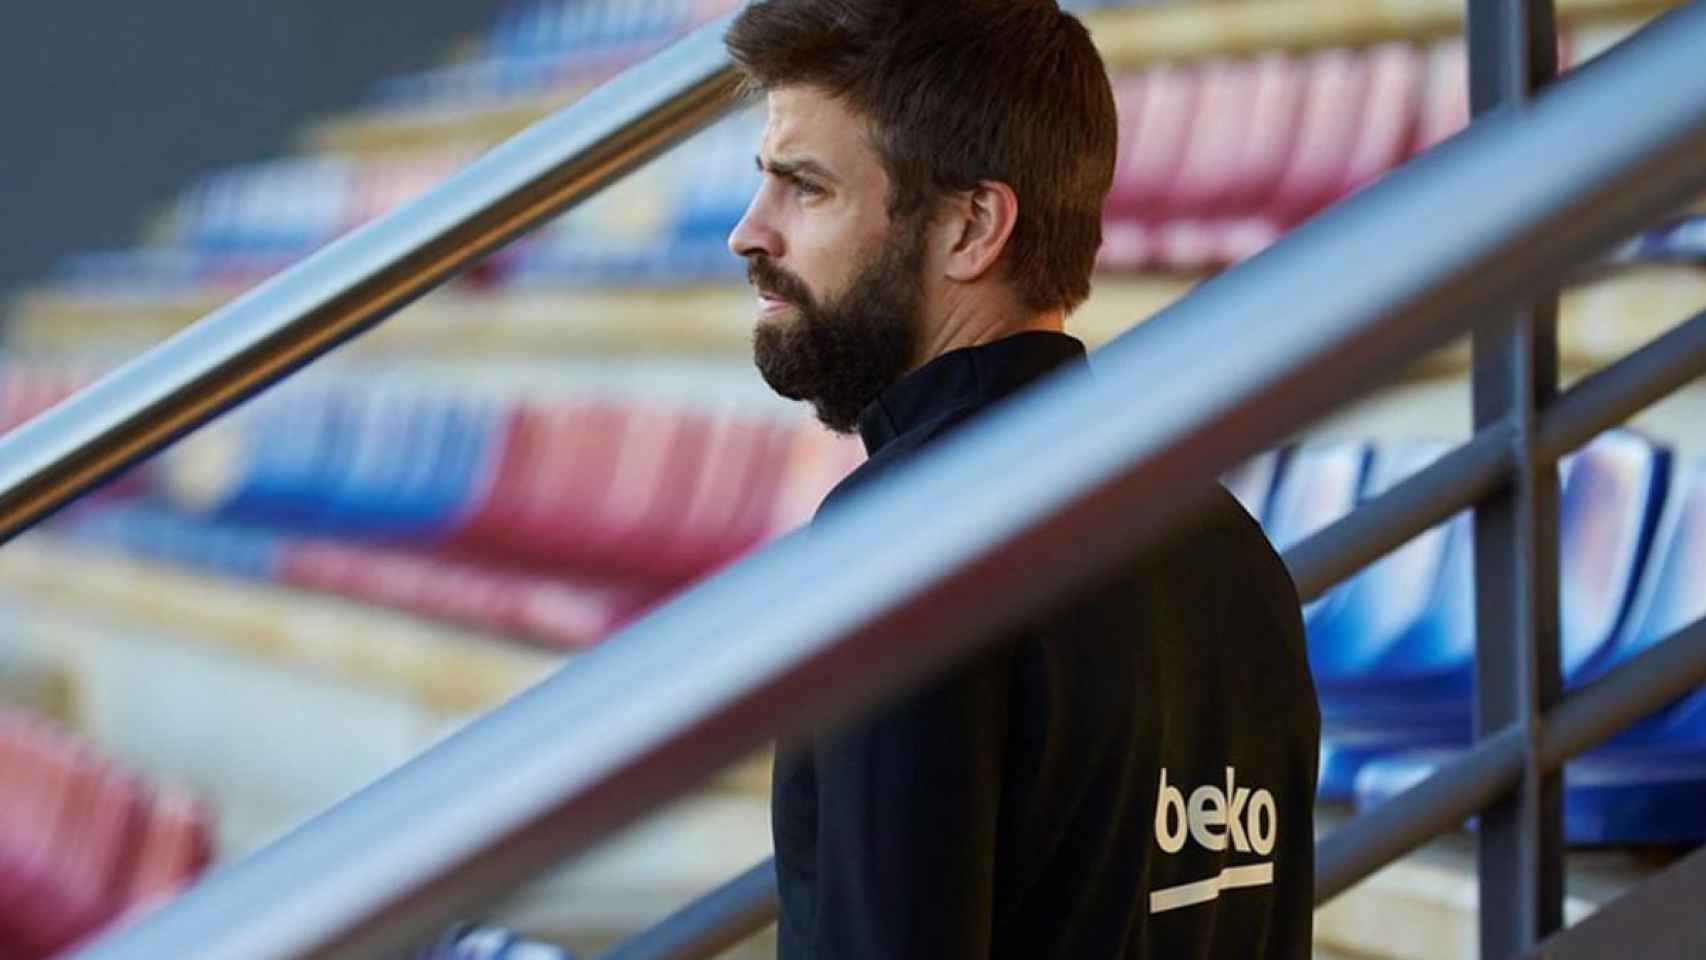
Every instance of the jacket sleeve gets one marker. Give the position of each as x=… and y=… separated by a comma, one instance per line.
x=907, y=805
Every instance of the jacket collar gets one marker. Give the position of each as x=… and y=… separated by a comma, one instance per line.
x=967, y=377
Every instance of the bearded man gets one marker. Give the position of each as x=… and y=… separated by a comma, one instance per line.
x=1130, y=773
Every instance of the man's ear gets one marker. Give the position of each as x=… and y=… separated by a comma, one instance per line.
x=978, y=223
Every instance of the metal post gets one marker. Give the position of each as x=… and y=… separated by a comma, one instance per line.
x=712, y=924
x=1513, y=51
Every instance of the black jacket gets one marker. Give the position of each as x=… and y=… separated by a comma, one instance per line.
x=1129, y=775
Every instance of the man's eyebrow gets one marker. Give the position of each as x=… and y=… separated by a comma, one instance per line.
x=794, y=168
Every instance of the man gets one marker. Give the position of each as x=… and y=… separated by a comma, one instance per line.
x=1131, y=773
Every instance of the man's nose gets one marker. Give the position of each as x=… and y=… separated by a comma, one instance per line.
x=753, y=235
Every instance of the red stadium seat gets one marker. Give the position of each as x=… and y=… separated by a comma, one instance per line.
x=816, y=461
x=1279, y=85
x=660, y=460
x=82, y=841
x=753, y=516
x=1445, y=95
x=1209, y=171
x=1333, y=111
x=1128, y=102
x=78, y=890
x=36, y=782
x=1390, y=114
x=1158, y=142
x=711, y=517
x=175, y=846
x=1124, y=240
x=543, y=497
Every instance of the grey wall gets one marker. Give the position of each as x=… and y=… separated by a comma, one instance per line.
x=109, y=107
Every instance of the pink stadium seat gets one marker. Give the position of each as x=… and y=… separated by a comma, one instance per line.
x=558, y=612
x=1210, y=168
x=1390, y=114
x=1126, y=244
x=25, y=393
x=1333, y=111
x=1124, y=239
x=35, y=781
x=97, y=828
x=1187, y=243
x=658, y=464
x=1245, y=237
x=711, y=515
x=1128, y=89
x=752, y=517
x=632, y=494
x=1279, y=85
x=81, y=840
x=564, y=488
x=816, y=461
x=1165, y=116
x=555, y=468
x=1444, y=108
x=175, y=846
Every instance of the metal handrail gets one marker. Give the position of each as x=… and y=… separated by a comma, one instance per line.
x=1582, y=720
x=800, y=636
x=358, y=281
x=1481, y=465
x=714, y=923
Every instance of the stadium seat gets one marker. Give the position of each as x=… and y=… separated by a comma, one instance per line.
x=1320, y=484
x=1159, y=139
x=1395, y=75
x=1188, y=234
x=1359, y=629
x=1252, y=482
x=1669, y=599
x=1445, y=95
x=1333, y=111
x=1410, y=684
x=83, y=841
x=175, y=847
x=378, y=460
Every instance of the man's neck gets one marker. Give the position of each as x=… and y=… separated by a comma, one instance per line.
x=970, y=324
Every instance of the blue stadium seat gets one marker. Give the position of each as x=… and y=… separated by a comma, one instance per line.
x=1395, y=653
x=378, y=461
x=1358, y=631
x=1670, y=598
x=151, y=531
x=1253, y=481
x=1320, y=484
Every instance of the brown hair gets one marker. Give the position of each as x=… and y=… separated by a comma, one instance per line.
x=959, y=92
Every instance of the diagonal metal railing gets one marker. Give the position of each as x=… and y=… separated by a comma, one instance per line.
x=922, y=567
x=360, y=280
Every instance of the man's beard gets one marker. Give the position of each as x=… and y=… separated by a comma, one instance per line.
x=842, y=353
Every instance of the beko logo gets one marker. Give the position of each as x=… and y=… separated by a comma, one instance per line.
x=1215, y=819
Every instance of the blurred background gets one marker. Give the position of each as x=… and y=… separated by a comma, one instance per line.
x=323, y=583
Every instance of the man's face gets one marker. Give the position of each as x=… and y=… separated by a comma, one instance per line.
x=839, y=286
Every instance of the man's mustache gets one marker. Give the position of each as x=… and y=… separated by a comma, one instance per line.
x=776, y=282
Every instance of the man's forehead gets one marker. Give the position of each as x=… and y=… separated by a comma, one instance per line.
x=804, y=123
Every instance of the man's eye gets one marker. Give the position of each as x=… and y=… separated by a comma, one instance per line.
x=807, y=188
